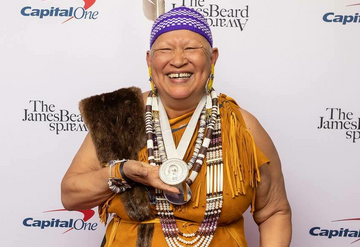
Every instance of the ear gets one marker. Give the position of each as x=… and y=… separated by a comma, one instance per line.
x=214, y=55
x=148, y=59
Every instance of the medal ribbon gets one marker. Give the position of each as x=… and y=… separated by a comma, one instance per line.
x=179, y=152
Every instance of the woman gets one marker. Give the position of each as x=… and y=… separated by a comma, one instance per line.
x=185, y=181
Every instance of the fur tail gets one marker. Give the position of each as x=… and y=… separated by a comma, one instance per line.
x=144, y=235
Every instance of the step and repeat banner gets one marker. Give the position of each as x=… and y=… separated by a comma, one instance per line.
x=293, y=64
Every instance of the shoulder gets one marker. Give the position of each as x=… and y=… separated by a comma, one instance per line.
x=261, y=136
x=249, y=120
x=256, y=129
x=253, y=125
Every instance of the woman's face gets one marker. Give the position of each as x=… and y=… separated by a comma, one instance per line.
x=181, y=63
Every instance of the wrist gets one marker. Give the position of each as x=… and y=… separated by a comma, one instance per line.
x=123, y=175
x=116, y=182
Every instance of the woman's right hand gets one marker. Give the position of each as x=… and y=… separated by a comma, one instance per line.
x=85, y=184
x=146, y=174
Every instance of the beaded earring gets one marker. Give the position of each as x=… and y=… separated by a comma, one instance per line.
x=151, y=81
x=211, y=79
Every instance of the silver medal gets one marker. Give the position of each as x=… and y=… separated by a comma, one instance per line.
x=173, y=171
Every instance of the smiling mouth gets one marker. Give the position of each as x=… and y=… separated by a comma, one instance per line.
x=179, y=75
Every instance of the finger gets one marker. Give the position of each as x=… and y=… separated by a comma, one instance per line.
x=149, y=175
x=172, y=189
x=165, y=187
x=155, y=180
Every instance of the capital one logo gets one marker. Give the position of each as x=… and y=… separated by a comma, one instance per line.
x=339, y=232
x=68, y=224
x=72, y=12
x=333, y=17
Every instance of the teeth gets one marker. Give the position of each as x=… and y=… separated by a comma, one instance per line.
x=179, y=75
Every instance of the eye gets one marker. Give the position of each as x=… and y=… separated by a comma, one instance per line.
x=191, y=49
x=164, y=49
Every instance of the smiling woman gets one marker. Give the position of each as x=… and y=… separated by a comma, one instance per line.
x=181, y=63
x=179, y=165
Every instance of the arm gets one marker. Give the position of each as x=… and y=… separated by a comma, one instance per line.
x=85, y=185
x=272, y=210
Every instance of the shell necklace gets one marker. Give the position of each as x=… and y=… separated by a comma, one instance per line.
x=174, y=170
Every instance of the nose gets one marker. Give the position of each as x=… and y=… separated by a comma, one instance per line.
x=179, y=58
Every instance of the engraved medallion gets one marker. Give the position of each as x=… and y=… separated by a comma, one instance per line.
x=173, y=171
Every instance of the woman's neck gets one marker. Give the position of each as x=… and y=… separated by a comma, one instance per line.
x=175, y=107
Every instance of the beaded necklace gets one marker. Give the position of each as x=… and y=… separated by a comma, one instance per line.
x=209, y=145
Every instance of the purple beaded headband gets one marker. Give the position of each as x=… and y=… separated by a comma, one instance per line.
x=181, y=18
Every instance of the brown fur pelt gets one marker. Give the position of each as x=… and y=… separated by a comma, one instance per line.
x=117, y=127
x=116, y=123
